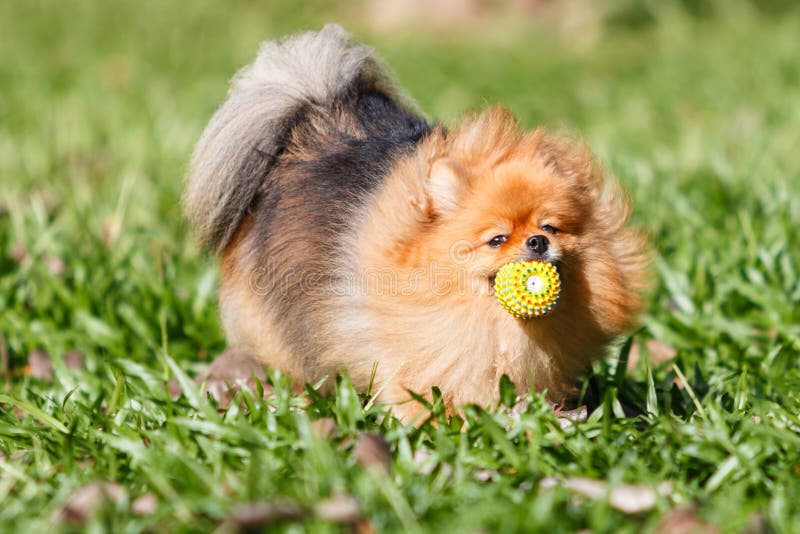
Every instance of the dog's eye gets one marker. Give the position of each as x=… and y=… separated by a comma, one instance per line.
x=497, y=240
x=549, y=229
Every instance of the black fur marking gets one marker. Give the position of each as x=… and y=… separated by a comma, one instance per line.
x=306, y=205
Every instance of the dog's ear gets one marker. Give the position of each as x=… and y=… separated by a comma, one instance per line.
x=573, y=161
x=445, y=182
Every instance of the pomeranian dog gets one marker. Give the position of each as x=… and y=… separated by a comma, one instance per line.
x=356, y=237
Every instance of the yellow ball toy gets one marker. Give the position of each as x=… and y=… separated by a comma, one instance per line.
x=527, y=289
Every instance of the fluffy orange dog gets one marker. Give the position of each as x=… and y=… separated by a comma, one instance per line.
x=356, y=237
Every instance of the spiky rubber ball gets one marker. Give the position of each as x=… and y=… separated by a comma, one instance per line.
x=527, y=289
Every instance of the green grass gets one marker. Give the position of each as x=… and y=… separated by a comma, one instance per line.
x=693, y=105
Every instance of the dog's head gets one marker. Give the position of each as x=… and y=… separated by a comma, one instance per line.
x=496, y=195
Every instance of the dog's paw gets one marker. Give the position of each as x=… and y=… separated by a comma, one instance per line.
x=229, y=372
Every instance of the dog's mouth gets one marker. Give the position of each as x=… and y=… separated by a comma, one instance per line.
x=491, y=283
x=491, y=278
x=549, y=256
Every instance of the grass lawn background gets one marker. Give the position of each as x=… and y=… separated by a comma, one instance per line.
x=694, y=106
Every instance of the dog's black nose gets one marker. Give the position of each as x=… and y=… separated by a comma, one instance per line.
x=537, y=243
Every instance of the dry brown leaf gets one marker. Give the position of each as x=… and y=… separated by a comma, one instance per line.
x=627, y=498
x=112, y=226
x=260, y=514
x=339, y=508
x=363, y=526
x=659, y=352
x=521, y=404
x=483, y=475
x=88, y=499
x=422, y=461
x=324, y=428
x=19, y=253
x=372, y=451
x=426, y=463
x=756, y=524
x=567, y=417
x=5, y=367
x=145, y=504
x=40, y=365
x=55, y=265
x=633, y=499
x=684, y=520
x=73, y=359
x=174, y=389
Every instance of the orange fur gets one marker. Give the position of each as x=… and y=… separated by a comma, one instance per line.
x=417, y=300
x=355, y=236
x=510, y=183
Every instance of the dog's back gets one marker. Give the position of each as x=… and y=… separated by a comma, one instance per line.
x=276, y=182
x=317, y=102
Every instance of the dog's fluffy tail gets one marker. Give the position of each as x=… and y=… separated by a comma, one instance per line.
x=249, y=130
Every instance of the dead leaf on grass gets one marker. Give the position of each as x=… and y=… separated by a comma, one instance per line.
x=372, y=451
x=88, y=499
x=684, y=520
x=627, y=498
x=258, y=515
x=567, y=417
x=339, y=508
x=5, y=367
x=324, y=428
x=73, y=359
x=40, y=365
x=19, y=253
x=659, y=352
x=145, y=504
